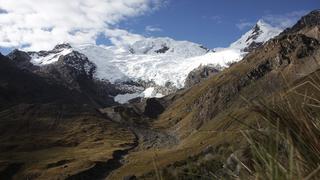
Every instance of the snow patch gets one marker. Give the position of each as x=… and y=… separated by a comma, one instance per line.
x=147, y=93
x=50, y=58
x=150, y=93
x=125, y=98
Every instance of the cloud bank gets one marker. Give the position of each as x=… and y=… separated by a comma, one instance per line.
x=41, y=24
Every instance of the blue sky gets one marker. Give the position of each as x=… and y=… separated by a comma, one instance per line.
x=213, y=23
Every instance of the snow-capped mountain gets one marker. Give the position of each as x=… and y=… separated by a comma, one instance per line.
x=157, y=66
x=255, y=37
x=48, y=57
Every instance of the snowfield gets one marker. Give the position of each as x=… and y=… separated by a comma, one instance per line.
x=159, y=68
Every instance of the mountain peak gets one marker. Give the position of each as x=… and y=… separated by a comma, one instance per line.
x=260, y=23
x=260, y=33
x=48, y=57
x=62, y=46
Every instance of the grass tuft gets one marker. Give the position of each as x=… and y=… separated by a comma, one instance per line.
x=289, y=145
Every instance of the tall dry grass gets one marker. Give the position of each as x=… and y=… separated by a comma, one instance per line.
x=289, y=146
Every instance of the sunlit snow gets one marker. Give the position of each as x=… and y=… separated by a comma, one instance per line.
x=147, y=93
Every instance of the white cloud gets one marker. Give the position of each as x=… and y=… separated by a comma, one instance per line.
x=284, y=20
x=153, y=29
x=244, y=24
x=41, y=24
x=120, y=37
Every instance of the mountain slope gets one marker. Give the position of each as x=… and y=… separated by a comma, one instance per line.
x=210, y=117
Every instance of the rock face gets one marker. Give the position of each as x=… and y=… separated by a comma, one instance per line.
x=201, y=73
x=73, y=71
x=18, y=86
x=252, y=46
x=69, y=70
x=153, y=108
x=22, y=60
